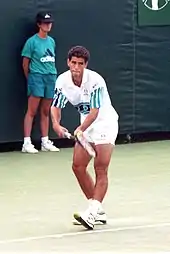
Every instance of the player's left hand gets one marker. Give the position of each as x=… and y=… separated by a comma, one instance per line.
x=78, y=130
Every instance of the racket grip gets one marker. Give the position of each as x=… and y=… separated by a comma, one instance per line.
x=79, y=134
x=67, y=135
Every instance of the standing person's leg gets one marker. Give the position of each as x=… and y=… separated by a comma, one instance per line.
x=33, y=103
x=35, y=92
x=49, y=85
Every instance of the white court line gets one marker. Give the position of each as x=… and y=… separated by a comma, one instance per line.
x=88, y=232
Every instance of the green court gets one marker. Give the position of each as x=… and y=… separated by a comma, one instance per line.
x=39, y=194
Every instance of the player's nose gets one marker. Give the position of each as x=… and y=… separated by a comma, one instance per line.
x=76, y=65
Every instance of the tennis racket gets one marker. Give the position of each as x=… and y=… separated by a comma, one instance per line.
x=80, y=138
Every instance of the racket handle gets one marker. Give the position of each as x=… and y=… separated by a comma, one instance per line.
x=68, y=135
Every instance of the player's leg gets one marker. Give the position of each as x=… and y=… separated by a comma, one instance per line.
x=101, y=164
x=104, y=148
x=104, y=139
x=49, y=84
x=81, y=160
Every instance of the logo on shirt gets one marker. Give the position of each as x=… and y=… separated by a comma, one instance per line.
x=94, y=86
x=83, y=108
x=85, y=92
x=49, y=57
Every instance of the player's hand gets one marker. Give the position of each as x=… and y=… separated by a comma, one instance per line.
x=78, y=131
x=60, y=130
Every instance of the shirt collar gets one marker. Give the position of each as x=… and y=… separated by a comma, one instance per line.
x=85, y=76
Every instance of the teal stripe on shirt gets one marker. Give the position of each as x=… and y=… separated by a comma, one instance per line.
x=96, y=98
x=59, y=100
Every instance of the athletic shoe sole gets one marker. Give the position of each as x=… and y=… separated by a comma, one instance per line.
x=83, y=222
x=97, y=221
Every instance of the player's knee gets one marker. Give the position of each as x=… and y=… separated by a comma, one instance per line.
x=101, y=171
x=78, y=169
x=101, y=166
x=101, y=175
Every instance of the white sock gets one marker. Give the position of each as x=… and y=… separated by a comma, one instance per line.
x=100, y=209
x=27, y=140
x=95, y=205
x=89, y=201
x=44, y=139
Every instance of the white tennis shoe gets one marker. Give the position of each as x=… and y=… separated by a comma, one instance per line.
x=100, y=219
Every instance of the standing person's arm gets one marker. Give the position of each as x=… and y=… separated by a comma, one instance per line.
x=27, y=55
x=25, y=65
x=55, y=52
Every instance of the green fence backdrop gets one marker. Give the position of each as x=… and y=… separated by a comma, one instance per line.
x=134, y=59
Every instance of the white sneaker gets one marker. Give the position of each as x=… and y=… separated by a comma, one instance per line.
x=29, y=148
x=87, y=219
x=100, y=219
x=48, y=146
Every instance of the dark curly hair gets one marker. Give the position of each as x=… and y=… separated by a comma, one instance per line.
x=80, y=52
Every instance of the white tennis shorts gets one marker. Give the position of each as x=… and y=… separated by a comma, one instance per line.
x=102, y=133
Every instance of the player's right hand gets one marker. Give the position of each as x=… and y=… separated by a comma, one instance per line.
x=60, y=130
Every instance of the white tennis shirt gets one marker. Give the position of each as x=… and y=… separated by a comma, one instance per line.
x=92, y=93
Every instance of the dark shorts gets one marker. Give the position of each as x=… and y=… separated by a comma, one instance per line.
x=41, y=85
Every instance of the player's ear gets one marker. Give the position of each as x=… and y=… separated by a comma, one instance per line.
x=86, y=64
x=68, y=62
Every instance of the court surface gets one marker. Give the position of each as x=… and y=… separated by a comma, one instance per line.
x=39, y=194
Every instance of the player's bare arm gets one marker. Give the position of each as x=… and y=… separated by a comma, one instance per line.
x=56, y=117
x=89, y=120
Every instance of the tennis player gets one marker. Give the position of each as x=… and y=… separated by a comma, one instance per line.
x=86, y=90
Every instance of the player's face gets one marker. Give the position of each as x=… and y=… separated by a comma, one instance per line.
x=76, y=65
x=45, y=27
